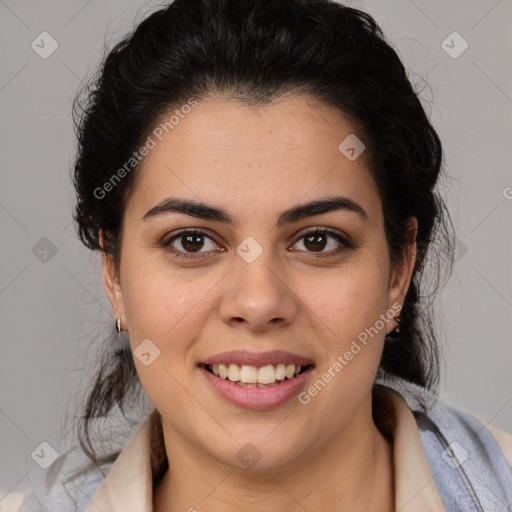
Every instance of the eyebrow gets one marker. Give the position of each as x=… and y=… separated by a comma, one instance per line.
x=204, y=211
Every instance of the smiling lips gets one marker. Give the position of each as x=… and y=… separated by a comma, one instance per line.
x=256, y=370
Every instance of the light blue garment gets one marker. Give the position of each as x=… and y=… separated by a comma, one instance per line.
x=60, y=488
x=467, y=464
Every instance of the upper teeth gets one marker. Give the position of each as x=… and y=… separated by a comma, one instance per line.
x=251, y=374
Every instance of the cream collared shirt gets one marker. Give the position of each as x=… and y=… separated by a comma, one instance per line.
x=128, y=486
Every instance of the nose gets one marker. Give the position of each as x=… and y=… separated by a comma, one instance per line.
x=257, y=296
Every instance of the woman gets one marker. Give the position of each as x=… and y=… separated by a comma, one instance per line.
x=260, y=180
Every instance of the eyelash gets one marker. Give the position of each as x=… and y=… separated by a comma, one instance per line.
x=166, y=243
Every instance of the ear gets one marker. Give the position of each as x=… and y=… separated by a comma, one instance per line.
x=111, y=283
x=402, y=272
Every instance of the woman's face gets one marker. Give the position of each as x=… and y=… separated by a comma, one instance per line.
x=257, y=292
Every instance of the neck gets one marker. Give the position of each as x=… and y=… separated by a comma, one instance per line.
x=335, y=477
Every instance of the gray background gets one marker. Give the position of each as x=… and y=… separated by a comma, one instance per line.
x=51, y=311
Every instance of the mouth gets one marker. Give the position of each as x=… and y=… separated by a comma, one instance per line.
x=257, y=381
x=250, y=376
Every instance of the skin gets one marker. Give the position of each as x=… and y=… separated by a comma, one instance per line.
x=255, y=163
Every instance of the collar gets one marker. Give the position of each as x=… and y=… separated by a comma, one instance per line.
x=128, y=486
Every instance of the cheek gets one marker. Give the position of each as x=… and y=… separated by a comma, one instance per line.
x=159, y=303
x=169, y=310
x=347, y=307
x=350, y=307
x=349, y=300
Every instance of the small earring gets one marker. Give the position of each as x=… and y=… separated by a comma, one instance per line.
x=118, y=325
x=398, y=320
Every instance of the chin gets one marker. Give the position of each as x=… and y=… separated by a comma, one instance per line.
x=257, y=454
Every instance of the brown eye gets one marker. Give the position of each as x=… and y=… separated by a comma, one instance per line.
x=189, y=244
x=192, y=243
x=317, y=240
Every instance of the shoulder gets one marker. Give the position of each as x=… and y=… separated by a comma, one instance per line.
x=494, y=445
x=67, y=485
x=470, y=460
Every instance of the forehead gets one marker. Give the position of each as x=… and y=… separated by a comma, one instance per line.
x=227, y=153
